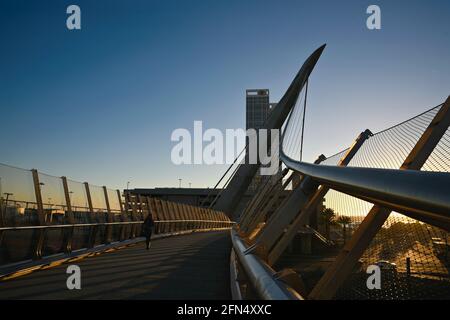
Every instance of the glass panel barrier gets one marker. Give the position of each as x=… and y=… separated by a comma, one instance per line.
x=81, y=214
x=100, y=214
x=55, y=210
x=113, y=199
x=18, y=209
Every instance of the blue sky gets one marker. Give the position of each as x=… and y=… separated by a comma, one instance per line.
x=100, y=104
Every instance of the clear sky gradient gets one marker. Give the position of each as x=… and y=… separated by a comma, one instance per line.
x=100, y=104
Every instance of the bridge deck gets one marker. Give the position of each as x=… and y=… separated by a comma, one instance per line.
x=192, y=266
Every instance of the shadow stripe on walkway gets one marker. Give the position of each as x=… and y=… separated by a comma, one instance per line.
x=194, y=266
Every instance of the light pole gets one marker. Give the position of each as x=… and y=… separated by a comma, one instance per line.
x=179, y=180
x=7, y=194
x=128, y=185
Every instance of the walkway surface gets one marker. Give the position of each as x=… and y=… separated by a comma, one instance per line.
x=194, y=266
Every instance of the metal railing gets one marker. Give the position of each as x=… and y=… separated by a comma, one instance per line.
x=43, y=215
x=216, y=224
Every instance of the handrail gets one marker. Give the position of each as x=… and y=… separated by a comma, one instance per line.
x=79, y=225
x=260, y=275
x=414, y=193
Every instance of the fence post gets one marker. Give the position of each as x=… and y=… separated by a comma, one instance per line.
x=40, y=236
x=108, y=229
x=156, y=214
x=183, y=216
x=165, y=210
x=92, y=218
x=336, y=274
x=2, y=213
x=172, y=216
x=70, y=217
x=141, y=216
x=175, y=214
x=190, y=214
x=123, y=217
x=134, y=217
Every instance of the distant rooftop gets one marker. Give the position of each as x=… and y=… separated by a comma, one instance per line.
x=257, y=92
x=174, y=191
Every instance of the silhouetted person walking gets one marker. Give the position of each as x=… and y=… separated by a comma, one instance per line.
x=147, y=229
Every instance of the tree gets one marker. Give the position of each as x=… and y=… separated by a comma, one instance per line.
x=344, y=221
x=327, y=218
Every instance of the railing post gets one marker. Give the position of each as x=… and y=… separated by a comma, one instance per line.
x=214, y=218
x=123, y=217
x=306, y=212
x=108, y=229
x=134, y=215
x=164, y=225
x=198, y=212
x=180, y=216
x=92, y=218
x=157, y=214
x=140, y=206
x=203, y=217
x=191, y=216
x=70, y=218
x=141, y=216
x=339, y=270
x=194, y=216
x=40, y=236
x=2, y=213
x=128, y=215
x=183, y=216
x=162, y=212
x=175, y=214
x=176, y=209
x=209, y=218
x=166, y=214
x=150, y=209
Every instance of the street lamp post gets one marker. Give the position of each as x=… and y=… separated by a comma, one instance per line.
x=3, y=213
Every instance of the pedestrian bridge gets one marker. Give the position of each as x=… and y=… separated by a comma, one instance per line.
x=312, y=231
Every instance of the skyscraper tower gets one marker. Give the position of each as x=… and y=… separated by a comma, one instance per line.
x=257, y=107
x=257, y=110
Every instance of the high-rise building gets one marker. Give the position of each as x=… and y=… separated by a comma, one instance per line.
x=257, y=108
